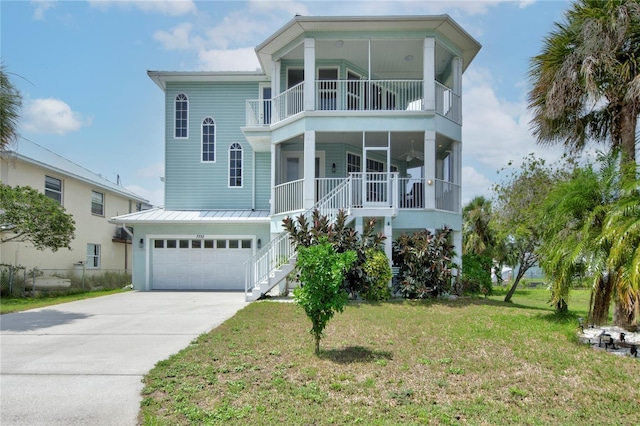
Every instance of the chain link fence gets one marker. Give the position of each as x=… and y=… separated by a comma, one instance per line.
x=18, y=281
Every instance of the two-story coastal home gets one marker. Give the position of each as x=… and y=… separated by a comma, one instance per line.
x=98, y=246
x=354, y=113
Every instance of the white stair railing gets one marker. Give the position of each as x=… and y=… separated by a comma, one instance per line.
x=279, y=251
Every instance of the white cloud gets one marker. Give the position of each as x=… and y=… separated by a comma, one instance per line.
x=243, y=59
x=52, y=116
x=41, y=7
x=179, y=38
x=474, y=184
x=164, y=7
x=152, y=171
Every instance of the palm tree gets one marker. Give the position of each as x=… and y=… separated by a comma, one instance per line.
x=10, y=103
x=586, y=81
x=476, y=234
x=622, y=232
x=574, y=213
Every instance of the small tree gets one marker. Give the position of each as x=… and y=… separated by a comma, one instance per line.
x=27, y=215
x=377, y=276
x=321, y=272
x=516, y=218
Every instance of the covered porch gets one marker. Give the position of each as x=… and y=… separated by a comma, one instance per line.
x=379, y=173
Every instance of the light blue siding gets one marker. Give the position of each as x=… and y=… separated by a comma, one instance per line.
x=190, y=183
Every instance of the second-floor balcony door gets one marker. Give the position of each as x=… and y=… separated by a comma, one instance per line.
x=265, y=104
x=327, y=88
x=376, y=183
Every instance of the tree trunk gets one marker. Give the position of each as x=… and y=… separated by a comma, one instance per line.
x=628, y=122
x=601, y=301
x=561, y=306
x=317, y=345
x=626, y=319
x=512, y=290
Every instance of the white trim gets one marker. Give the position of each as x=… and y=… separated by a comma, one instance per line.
x=175, y=99
x=241, y=166
x=215, y=140
x=149, y=237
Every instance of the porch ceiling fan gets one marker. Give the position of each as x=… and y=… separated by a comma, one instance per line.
x=412, y=155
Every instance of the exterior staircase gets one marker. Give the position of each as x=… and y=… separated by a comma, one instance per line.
x=272, y=263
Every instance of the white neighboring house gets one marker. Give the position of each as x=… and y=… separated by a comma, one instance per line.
x=98, y=246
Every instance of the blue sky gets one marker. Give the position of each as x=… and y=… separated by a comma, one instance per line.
x=81, y=67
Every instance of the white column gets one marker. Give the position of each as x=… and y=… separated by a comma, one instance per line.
x=430, y=169
x=308, y=186
x=388, y=242
x=359, y=225
x=272, y=200
x=457, y=75
x=429, y=74
x=309, y=74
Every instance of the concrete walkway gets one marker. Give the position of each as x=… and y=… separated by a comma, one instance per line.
x=81, y=363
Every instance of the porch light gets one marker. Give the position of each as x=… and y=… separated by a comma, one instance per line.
x=429, y=182
x=339, y=43
x=333, y=168
x=408, y=58
x=259, y=243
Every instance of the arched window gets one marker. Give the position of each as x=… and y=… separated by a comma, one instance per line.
x=208, y=140
x=182, y=116
x=235, y=165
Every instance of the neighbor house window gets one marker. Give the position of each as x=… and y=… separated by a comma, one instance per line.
x=97, y=203
x=182, y=116
x=93, y=255
x=235, y=165
x=353, y=163
x=53, y=188
x=208, y=139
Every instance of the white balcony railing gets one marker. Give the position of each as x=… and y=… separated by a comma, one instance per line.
x=447, y=196
x=448, y=104
x=326, y=185
x=354, y=95
x=369, y=95
x=288, y=196
x=411, y=193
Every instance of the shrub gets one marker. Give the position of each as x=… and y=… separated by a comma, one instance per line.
x=341, y=237
x=425, y=262
x=377, y=276
x=476, y=274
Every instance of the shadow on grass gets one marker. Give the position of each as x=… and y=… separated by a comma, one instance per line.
x=353, y=354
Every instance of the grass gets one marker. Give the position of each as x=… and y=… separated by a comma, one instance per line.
x=469, y=361
x=17, y=304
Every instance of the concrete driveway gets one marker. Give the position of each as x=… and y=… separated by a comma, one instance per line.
x=81, y=363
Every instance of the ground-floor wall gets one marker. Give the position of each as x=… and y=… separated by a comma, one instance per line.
x=196, y=256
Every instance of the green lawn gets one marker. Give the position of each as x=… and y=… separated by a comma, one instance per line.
x=470, y=361
x=17, y=304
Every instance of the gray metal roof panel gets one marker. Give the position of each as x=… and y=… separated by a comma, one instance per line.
x=33, y=153
x=160, y=215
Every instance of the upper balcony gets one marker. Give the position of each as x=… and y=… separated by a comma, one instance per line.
x=354, y=95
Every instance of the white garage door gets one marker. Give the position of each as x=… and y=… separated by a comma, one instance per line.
x=203, y=264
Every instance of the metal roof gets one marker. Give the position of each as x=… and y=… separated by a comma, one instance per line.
x=160, y=215
x=31, y=152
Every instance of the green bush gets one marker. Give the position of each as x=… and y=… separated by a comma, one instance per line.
x=425, y=262
x=377, y=276
x=476, y=274
x=321, y=273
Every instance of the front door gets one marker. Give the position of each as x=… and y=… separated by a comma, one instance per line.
x=375, y=183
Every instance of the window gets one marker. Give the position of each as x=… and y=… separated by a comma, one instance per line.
x=97, y=203
x=93, y=256
x=374, y=166
x=182, y=116
x=235, y=165
x=353, y=163
x=208, y=140
x=53, y=188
